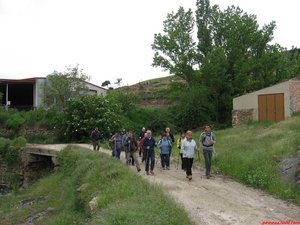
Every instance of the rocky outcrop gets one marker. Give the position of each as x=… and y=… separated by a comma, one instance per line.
x=290, y=169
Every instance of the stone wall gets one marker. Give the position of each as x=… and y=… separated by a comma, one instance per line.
x=295, y=95
x=9, y=175
x=28, y=169
x=242, y=116
x=26, y=131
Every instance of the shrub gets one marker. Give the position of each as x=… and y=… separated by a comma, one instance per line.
x=9, y=149
x=19, y=142
x=83, y=114
x=4, y=115
x=15, y=122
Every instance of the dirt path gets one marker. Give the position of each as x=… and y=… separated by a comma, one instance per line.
x=220, y=200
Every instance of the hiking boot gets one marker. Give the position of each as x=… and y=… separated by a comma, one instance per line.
x=164, y=168
x=168, y=168
x=151, y=171
x=208, y=176
x=190, y=177
x=147, y=172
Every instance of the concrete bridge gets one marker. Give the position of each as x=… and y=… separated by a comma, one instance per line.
x=39, y=159
x=36, y=160
x=37, y=152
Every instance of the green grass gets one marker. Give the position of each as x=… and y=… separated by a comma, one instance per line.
x=123, y=197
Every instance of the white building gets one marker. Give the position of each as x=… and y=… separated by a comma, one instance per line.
x=274, y=103
x=29, y=93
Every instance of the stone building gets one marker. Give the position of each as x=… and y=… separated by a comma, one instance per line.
x=274, y=103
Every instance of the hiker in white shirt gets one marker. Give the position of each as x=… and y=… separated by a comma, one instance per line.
x=188, y=148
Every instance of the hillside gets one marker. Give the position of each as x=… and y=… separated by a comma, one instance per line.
x=154, y=92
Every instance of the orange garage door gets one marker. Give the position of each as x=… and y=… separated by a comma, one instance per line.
x=271, y=107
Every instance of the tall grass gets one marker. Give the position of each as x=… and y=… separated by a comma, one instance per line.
x=123, y=197
x=252, y=154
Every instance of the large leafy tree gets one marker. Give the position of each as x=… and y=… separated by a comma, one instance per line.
x=63, y=86
x=175, y=49
x=236, y=55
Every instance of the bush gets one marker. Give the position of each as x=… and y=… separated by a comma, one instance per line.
x=15, y=122
x=4, y=115
x=84, y=114
x=19, y=142
x=9, y=149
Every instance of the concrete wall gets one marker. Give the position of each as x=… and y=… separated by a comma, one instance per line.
x=38, y=92
x=250, y=101
x=95, y=89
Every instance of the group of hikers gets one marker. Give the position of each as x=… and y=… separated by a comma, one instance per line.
x=144, y=147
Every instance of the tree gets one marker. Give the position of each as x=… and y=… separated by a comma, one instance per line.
x=175, y=50
x=63, y=86
x=203, y=19
x=105, y=83
x=235, y=55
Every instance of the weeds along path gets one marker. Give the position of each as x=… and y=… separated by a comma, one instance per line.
x=219, y=200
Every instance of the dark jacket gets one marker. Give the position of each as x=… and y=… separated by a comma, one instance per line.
x=149, y=143
x=132, y=146
x=95, y=135
x=142, y=134
x=172, y=138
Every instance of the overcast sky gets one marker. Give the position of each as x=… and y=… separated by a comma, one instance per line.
x=108, y=39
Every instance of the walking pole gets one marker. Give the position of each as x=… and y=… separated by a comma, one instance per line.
x=178, y=160
x=199, y=161
x=126, y=152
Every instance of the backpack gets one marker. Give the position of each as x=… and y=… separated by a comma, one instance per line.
x=207, y=139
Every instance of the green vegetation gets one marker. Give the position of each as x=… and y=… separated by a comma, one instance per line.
x=63, y=86
x=9, y=149
x=123, y=197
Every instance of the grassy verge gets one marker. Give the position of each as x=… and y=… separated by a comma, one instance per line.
x=253, y=155
x=123, y=197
